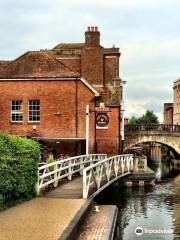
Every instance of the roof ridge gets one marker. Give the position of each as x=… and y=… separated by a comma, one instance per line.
x=65, y=44
x=19, y=57
x=5, y=60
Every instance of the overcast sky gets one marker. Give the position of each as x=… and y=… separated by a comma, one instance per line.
x=147, y=32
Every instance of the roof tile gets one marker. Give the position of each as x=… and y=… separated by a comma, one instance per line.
x=69, y=46
x=37, y=64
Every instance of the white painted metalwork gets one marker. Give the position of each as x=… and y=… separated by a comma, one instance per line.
x=51, y=173
x=98, y=176
x=87, y=129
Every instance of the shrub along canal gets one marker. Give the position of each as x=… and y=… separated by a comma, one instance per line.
x=155, y=211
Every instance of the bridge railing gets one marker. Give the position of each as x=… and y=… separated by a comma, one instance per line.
x=152, y=127
x=99, y=175
x=51, y=173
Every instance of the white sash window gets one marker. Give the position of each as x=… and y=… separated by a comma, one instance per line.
x=34, y=111
x=16, y=111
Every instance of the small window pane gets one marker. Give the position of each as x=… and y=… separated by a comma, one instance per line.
x=16, y=111
x=34, y=110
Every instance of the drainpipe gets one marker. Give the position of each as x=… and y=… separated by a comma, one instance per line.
x=77, y=143
x=87, y=129
x=76, y=107
x=95, y=140
x=122, y=116
x=119, y=130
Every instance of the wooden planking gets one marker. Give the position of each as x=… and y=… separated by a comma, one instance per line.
x=67, y=190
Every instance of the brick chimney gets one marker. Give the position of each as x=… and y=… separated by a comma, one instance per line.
x=92, y=57
x=92, y=37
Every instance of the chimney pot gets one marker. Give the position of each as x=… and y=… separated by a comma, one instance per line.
x=92, y=37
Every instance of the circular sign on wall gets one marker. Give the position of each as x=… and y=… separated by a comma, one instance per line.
x=102, y=120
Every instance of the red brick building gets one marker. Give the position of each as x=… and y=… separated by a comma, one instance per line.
x=43, y=94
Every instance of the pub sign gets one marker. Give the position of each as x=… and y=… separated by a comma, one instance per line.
x=102, y=118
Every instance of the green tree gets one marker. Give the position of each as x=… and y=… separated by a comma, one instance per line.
x=148, y=118
x=133, y=120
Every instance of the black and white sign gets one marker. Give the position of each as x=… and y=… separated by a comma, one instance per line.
x=102, y=120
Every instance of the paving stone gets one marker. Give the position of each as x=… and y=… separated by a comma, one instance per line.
x=97, y=225
x=38, y=219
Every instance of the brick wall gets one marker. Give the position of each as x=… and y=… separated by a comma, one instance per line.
x=55, y=96
x=92, y=67
x=108, y=139
x=111, y=68
x=98, y=65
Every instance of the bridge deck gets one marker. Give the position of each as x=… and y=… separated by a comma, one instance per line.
x=68, y=190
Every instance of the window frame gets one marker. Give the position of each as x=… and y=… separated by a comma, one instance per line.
x=34, y=121
x=20, y=112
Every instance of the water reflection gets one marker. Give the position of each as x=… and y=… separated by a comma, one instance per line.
x=149, y=208
x=164, y=169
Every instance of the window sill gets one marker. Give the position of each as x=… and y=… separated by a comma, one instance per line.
x=16, y=122
x=29, y=122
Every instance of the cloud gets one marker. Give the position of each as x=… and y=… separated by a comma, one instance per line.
x=121, y=3
x=150, y=69
x=146, y=32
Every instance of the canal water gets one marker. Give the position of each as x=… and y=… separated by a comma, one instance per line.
x=148, y=213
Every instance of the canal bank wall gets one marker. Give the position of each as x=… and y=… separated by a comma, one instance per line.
x=74, y=226
x=140, y=178
x=92, y=222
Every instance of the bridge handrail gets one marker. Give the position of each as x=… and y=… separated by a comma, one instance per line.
x=152, y=127
x=105, y=160
x=69, y=159
x=106, y=171
x=53, y=172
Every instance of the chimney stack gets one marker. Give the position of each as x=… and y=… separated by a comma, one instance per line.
x=92, y=37
x=92, y=58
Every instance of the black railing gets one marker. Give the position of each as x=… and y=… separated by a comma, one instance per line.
x=152, y=127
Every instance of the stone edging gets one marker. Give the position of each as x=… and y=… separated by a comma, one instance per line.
x=109, y=232
x=73, y=228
